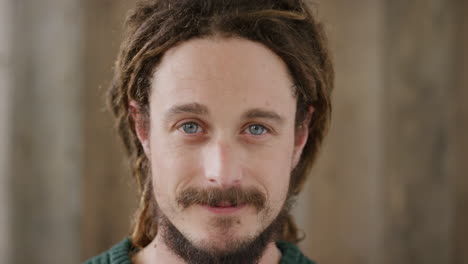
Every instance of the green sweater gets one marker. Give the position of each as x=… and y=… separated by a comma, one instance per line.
x=119, y=254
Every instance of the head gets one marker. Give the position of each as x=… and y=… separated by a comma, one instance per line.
x=222, y=106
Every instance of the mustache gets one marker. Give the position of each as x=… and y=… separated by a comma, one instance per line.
x=214, y=196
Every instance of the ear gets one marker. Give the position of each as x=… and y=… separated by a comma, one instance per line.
x=141, y=125
x=300, y=137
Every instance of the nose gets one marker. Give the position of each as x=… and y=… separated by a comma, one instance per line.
x=222, y=166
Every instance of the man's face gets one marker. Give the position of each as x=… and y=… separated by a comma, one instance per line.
x=222, y=117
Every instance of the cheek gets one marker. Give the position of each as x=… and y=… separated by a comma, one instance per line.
x=171, y=164
x=272, y=167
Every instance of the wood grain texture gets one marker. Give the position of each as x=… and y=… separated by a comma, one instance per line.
x=459, y=130
x=419, y=81
x=6, y=89
x=341, y=203
x=108, y=193
x=45, y=164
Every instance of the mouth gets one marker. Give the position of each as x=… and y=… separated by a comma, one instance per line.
x=224, y=208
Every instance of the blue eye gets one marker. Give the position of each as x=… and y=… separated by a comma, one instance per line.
x=191, y=128
x=257, y=130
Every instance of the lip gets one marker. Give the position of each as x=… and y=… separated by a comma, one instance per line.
x=224, y=210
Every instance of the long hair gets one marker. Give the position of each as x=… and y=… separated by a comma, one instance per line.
x=287, y=27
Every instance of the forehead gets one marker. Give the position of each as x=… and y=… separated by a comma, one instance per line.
x=223, y=72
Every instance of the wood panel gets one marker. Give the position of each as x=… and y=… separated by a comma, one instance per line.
x=399, y=142
x=419, y=82
x=459, y=128
x=45, y=155
x=107, y=185
x=5, y=131
x=341, y=204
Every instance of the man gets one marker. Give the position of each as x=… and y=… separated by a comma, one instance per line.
x=222, y=106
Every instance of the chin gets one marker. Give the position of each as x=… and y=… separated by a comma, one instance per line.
x=223, y=245
x=220, y=239
x=230, y=228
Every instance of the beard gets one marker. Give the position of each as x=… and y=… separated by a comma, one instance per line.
x=248, y=250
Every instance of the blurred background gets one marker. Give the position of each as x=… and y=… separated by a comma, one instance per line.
x=391, y=185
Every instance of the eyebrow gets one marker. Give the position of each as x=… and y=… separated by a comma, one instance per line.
x=263, y=114
x=200, y=109
x=192, y=108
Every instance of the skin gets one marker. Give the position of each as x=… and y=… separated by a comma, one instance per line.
x=225, y=78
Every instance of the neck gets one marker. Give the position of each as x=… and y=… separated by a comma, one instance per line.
x=158, y=252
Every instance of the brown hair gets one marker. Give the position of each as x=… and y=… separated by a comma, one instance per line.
x=287, y=27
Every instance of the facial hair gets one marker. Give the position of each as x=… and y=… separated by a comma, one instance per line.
x=246, y=251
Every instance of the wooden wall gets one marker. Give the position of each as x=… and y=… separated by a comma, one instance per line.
x=420, y=85
x=342, y=204
x=459, y=138
x=44, y=173
x=108, y=200
x=5, y=117
x=390, y=185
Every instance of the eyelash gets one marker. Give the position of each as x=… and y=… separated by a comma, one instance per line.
x=181, y=127
x=265, y=128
